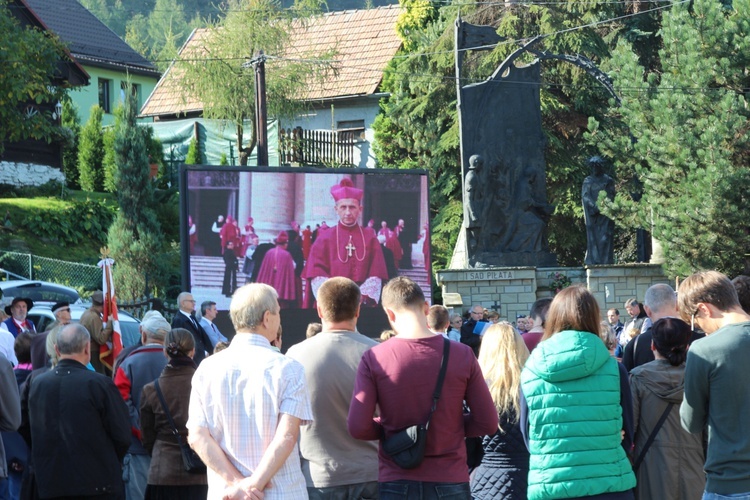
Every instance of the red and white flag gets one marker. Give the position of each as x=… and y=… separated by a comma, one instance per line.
x=113, y=348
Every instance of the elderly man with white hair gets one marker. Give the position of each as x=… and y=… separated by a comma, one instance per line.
x=247, y=404
x=140, y=367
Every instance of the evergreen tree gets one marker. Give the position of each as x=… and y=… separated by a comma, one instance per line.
x=194, y=156
x=682, y=132
x=109, y=161
x=109, y=164
x=72, y=122
x=91, y=152
x=134, y=237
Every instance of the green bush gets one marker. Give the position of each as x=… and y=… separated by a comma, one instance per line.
x=72, y=123
x=194, y=156
x=48, y=189
x=91, y=152
x=82, y=220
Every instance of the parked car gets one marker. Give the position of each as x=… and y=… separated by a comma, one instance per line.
x=42, y=316
x=41, y=292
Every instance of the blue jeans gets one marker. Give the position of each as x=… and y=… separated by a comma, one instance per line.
x=734, y=496
x=360, y=491
x=417, y=490
x=135, y=475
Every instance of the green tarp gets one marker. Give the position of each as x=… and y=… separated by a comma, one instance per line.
x=215, y=139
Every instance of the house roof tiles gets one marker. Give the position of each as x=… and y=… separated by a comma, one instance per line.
x=88, y=39
x=364, y=42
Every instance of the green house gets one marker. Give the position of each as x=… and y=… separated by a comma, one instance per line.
x=109, y=61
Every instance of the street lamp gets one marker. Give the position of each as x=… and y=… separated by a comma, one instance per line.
x=57, y=114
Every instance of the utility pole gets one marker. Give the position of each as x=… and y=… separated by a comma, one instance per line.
x=259, y=63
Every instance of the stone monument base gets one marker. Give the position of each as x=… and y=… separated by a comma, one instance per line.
x=487, y=260
x=512, y=290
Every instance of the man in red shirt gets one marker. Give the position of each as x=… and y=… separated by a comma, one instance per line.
x=399, y=377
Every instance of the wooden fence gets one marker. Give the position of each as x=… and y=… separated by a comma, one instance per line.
x=329, y=148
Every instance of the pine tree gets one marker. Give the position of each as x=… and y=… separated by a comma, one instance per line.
x=134, y=237
x=193, y=156
x=91, y=152
x=682, y=132
x=72, y=122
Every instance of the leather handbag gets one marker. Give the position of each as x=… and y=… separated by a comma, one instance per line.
x=406, y=448
x=191, y=462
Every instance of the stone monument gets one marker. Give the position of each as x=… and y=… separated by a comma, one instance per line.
x=500, y=124
x=599, y=228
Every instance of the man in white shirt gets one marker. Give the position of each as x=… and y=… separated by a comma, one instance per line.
x=247, y=404
x=208, y=315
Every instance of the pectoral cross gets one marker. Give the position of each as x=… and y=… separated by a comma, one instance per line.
x=349, y=247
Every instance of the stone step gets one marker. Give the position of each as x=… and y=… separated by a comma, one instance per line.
x=208, y=272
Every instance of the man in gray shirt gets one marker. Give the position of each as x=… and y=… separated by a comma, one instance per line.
x=716, y=377
x=335, y=464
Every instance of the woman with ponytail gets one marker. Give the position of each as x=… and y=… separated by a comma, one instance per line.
x=672, y=465
x=167, y=478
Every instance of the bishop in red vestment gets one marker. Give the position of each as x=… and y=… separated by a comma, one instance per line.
x=346, y=249
x=277, y=270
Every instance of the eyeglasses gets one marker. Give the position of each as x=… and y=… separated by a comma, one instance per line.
x=692, y=318
x=477, y=312
x=66, y=309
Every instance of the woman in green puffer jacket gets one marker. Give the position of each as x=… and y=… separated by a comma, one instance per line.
x=576, y=409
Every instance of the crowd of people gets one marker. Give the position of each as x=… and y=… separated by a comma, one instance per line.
x=427, y=412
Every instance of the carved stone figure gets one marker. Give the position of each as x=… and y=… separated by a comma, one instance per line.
x=473, y=201
x=599, y=227
x=530, y=215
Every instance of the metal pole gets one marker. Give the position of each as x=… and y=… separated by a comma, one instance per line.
x=260, y=109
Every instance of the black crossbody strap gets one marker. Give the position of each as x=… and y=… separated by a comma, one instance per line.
x=166, y=411
x=651, y=438
x=441, y=378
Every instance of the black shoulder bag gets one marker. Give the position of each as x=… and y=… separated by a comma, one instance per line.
x=406, y=447
x=190, y=459
x=651, y=438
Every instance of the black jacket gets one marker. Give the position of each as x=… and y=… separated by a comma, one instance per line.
x=638, y=351
x=202, y=341
x=80, y=432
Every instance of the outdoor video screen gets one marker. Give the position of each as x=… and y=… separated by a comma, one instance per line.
x=293, y=227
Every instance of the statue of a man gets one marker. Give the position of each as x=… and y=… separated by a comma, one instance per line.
x=599, y=228
x=473, y=201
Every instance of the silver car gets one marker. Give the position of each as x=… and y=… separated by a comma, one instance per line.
x=40, y=292
x=42, y=316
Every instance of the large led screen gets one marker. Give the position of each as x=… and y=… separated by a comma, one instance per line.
x=293, y=227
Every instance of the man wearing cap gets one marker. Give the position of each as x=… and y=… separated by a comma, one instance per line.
x=61, y=310
x=139, y=368
x=17, y=310
x=44, y=343
x=277, y=270
x=100, y=333
x=346, y=249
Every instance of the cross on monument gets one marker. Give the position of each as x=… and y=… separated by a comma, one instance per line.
x=496, y=307
x=349, y=247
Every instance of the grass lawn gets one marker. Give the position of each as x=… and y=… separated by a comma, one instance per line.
x=87, y=251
